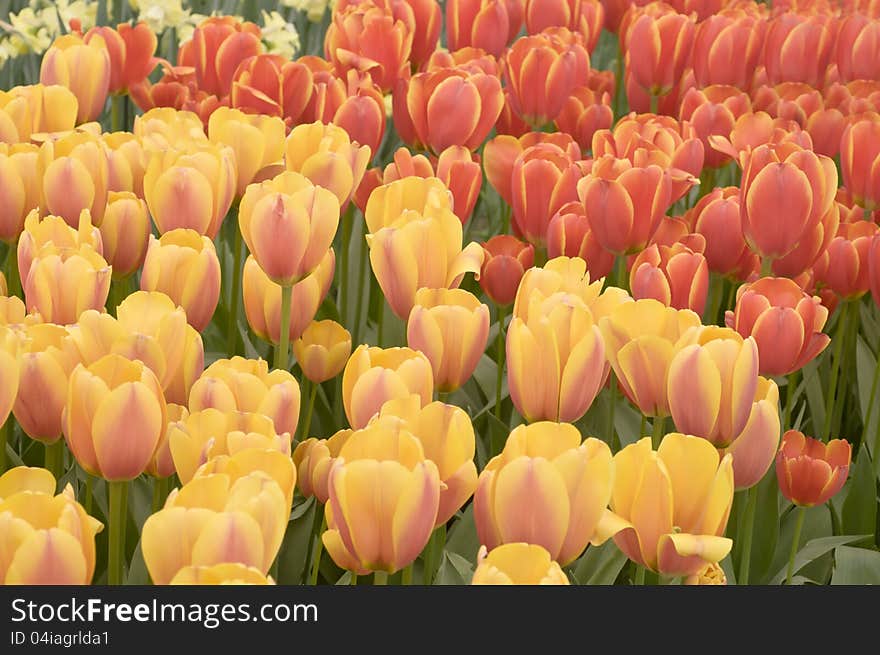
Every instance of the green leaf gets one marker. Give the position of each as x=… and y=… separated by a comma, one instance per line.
x=600, y=565
x=292, y=554
x=765, y=530
x=855, y=566
x=859, y=515
x=815, y=396
x=815, y=549
x=454, y=570
x=462, y=539
x=137, y=570
x=866, y=366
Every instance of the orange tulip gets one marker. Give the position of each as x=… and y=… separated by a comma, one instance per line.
x=812, y=246
x=257, y=141
x=270, y=85
x=785, y=322
x=583, y=16
x=857, y=48
x=360, y=110
x=716, y=217
x=506, y=259
x=517, y=564
x=62, y=283
x=713, y=112
x=547, y=488
x=131, y=49
x=262, y=299
x=114, y=417
x=811, y=472
x=798, y=48
x=183, y=265
x=485, y=24
x=217, y=46
x=727, y=48
x=675, y=275
x=20, y=188
x=84, y=68
x=314, y=458
x=322, y=350
x=125, y=233
x=584, y=113
x=859, y=157
x=874, y=269
x=657, y=45
x=569, y=235
x=247, y=385
x=844, y=265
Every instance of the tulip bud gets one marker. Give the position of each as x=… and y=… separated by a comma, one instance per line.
x=505, y=261
x=20, y=189
x=843, y=267
x=270, y=461
x=126, y=163
x=584, y=113
x=54, y=230
x=501, y=153
x=62, y=283
x=131, y=49
x=716, y=217
x=270, y=85
x=74, y=177
x=37, y=108
x=323, y=350
x=484, y=24
x=675, y=275
x=82, y=67
x=256, y=141
x=857, y=48
x=517, y=564
x=798, y=48
x=713, y=112
x=183, y=265
x=565, y=275
x=125, y=233
x=859, y=157
x=247, y=385
x=461, y=173
x=657, y=46
x=694, y=489
x=360, y=111
x=114, y=417
x=314, y=458
x=545, y=488
x=569, y=235
x=716, y=40
x=217, y=46
x=811, y=472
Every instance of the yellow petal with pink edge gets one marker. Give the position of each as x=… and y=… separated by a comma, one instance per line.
x=546, y=439
x=582, y=376
x=755, y=448
x=469, y=260
x=692, y=463
x=459, y=488
x=281, y=403
x=718, y=500
x=230, y=537
x=126, y=429
x=340, y=554
x=652, y=508
x=629, y=466
x=15, y=532
x=686, y=554
x=415, y=514
x=370, y=392
x=48, y=557
x=363, y=495
x=642, y=367
x=262, y=499
x=26, y=478
x=331, y=171
x=612, y=526
x=695, y=391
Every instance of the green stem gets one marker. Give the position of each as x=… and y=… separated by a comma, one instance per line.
x=160, y=493
x=499, y=360
x=87, y=494
x=115, y=113
x=716, y=291
x=55, y=458
x=281, y=352
x=116, y=542
x=839, y=337
x=730, y=301
x=313, y=392
x=354, y=580
x=655, y=103
x=789, y=398
x=640, y=575
x=317, y=521
x=612, y=389
x=13, y=282
x=406, y=576
x=766, y=267
x=795, y=542
x=872, y=397
x=359, y=301
x=319, y=550
x=618, y=275
x=235, y=294
x=658, y=431
x=4, y=437
x=748, y=532
x=643, y=426
x=380, y=578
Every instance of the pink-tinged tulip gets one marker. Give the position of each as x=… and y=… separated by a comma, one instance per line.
x=426, y=195
x=20, y=188
x=13, y=312
x=641, y=340
x=555, y=358
x=326, y=156
x=486, y=24
x=247, y=385
x=314, y=458
x=517, y=564
x=82, y=67
x=657, y=48
x=713, y=111
x=583, y=16
x=183, y=265
x=562, y=275
x=131, y=49
x=191, y=188
x=711, y=574
x=288, y=224
x=811, y=472
x=860, y=162
x=380, y=514
x=541, y=71
x=10, y=359
x=843, y=267
x=94, y=335
x=62, y=283
x=277, y=465
x=355, y=104
x=675, y=275
x=812, y=246
x=74, y=176
x=874, y=268
x=373, y=376
x=857, y=48
x=669, y=508
x=114, y=417
x=126, y=163
x=451, y=327
x=372, y=37
x=262, y=299
x=716, y=217
x=125, y=233
x=785, y=322
x=257, y=141
x=569, y=235
x=45, y=539
x=48, y=357
x=798, y=48
x=218, y=45
x=270, y=85
x=198, y=437
x=164, y=128
x=546, y=488
x=322, y=350
x=54, y=230
x=162, y=464
x=727, y=49
x=221, y=574
x=505, y=261
x=36, y=108
x=584, y=113
x=216, y=519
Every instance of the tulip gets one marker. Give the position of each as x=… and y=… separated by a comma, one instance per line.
x=183, y=265
x=583, y=16
x=270, y=461
x=247, y=385
x=373, y=376
x=256, y=141
x=431, y=97
x=669, y=507
x=675, y=275
x=484, y=24
x=373, y=38
x=325, y=155
x=716, y=217
x=49, y=355
x=856, y=48
x=114, y=417
x=54, y=230
x=125, y=233
x=164, y=128
x=191, y=188
x=584, y=113
x=798, y=48
x=405, y=191
x=874, y=268
x=314, y=458
x=20, y=189
x=569, y=235
x=162, y=465
x=785, y=322
x=126, y=163
x=221, y=574
x=711, y=574
x=565, y=275
x=809, y=471
x=657, y=49
x=451, y=326
x=224, y=522
x=359, y=109
x=713, y=111
x=10, y=358
x=270, y=85
x=74, y=177
x=322, y=350
x=843, y=267
x=82, y=67
x=641, y=340
x=541, y=71
x=517, y=564
x=46, y=539
x=447, y=439
x=217, y=46
x=859, y=157
x=262, y=299
x=131, y=49
x=62, y=283
x=37, y=108
x=727, y=48
x=177, y=88
x=12, y=311
x=505, y=261
x=95, y=335
x=546, y=488
x=203, y=435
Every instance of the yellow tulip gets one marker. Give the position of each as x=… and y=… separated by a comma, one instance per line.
x=256, y=140
x=125, y=232
x=74, y=176
x=82, y=67
x=517, y=564
x=425, y=195
x=126, y=163
x=221, y=574
x=162, y=128
x=559, y=275
x=322, y=350
x=162, y=464
x=54, y=230
x=313, y=459
x=10, y=365
x=36, y=108
x=245, y=461
x=20, y=188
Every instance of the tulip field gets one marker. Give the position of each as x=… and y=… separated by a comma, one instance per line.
x=408, y=292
